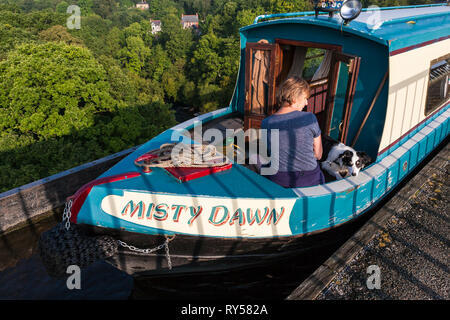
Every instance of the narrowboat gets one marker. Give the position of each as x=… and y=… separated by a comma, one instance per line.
x=380, y=83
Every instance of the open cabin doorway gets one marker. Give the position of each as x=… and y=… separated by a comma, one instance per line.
x=332, y=76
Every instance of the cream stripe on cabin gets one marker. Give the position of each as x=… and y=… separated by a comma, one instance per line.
x=408, y=85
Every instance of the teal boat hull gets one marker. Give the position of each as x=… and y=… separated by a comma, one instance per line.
x=237, y=218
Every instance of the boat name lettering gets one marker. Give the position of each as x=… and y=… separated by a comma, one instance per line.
x=218, y=216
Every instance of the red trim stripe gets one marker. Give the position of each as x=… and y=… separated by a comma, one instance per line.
x=416, y=46
x=412, y=129
x=80, y=196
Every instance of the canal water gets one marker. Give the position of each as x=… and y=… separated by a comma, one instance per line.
x=23, y=276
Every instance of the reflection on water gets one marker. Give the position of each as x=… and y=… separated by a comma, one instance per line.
x=22, y=275
x=29, y=280
x=271, y=282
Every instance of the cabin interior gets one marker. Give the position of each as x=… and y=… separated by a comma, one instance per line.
x=332, y=76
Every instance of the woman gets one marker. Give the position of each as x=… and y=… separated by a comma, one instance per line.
x=300, y=142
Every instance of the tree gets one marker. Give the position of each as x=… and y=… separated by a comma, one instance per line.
x=160, y=8
x=113, y=42
x=158, y=63
x=62, y=7
x=59, y=33
x=104, y=8
x=134, y=55
x=280, y=6
x=85, y=6
x=10, y=37
x=177, y=41
x=246, y=17
x=122, y=86
x=206, y=62
x=51, y=89
x=41, y=20
x=59, y=108
x=93, y=32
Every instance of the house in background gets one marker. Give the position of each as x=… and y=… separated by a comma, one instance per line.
x=143, y=5
x=189, y=21
x=156, y=26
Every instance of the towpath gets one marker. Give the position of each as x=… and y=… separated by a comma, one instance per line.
x=401, y=253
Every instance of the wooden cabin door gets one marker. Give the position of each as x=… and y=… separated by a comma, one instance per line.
x=342, y=80
x=260, y=64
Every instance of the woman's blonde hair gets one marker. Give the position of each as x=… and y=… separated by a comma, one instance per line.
x=291, y=89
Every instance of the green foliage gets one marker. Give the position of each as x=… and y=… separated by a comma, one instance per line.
x=51, y=90
x=10, y=37
x=86, y=6
x=104, y=8
x=59, y=34
x=71, y=96
x=23, y=159
x=62, y=7
x=57, y=110
x=134, y=55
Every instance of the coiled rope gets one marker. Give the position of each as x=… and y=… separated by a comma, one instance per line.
x=182, y=155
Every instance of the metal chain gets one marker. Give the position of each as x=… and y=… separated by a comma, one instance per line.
x=165, y=245
x=169, y=262
x=144, y=251
x=67, y=213
x=66, y=220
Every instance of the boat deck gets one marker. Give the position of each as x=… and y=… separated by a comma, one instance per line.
x=222, y=184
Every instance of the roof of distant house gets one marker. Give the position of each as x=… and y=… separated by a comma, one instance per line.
x=189, y=18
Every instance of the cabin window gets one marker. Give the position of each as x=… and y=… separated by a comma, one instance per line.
x=438, y=84
x=311, y=64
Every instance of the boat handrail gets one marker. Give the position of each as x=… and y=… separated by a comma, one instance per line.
x=283, y=15
x=308, y=13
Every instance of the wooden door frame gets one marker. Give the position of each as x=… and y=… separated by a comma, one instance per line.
x=250, y=47
x=307, y=44
x=354, y=64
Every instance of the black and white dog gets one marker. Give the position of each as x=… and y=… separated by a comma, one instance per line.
x=341, y=161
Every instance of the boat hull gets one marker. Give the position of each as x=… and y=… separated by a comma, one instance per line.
x=201, y=255
x=214, y=241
